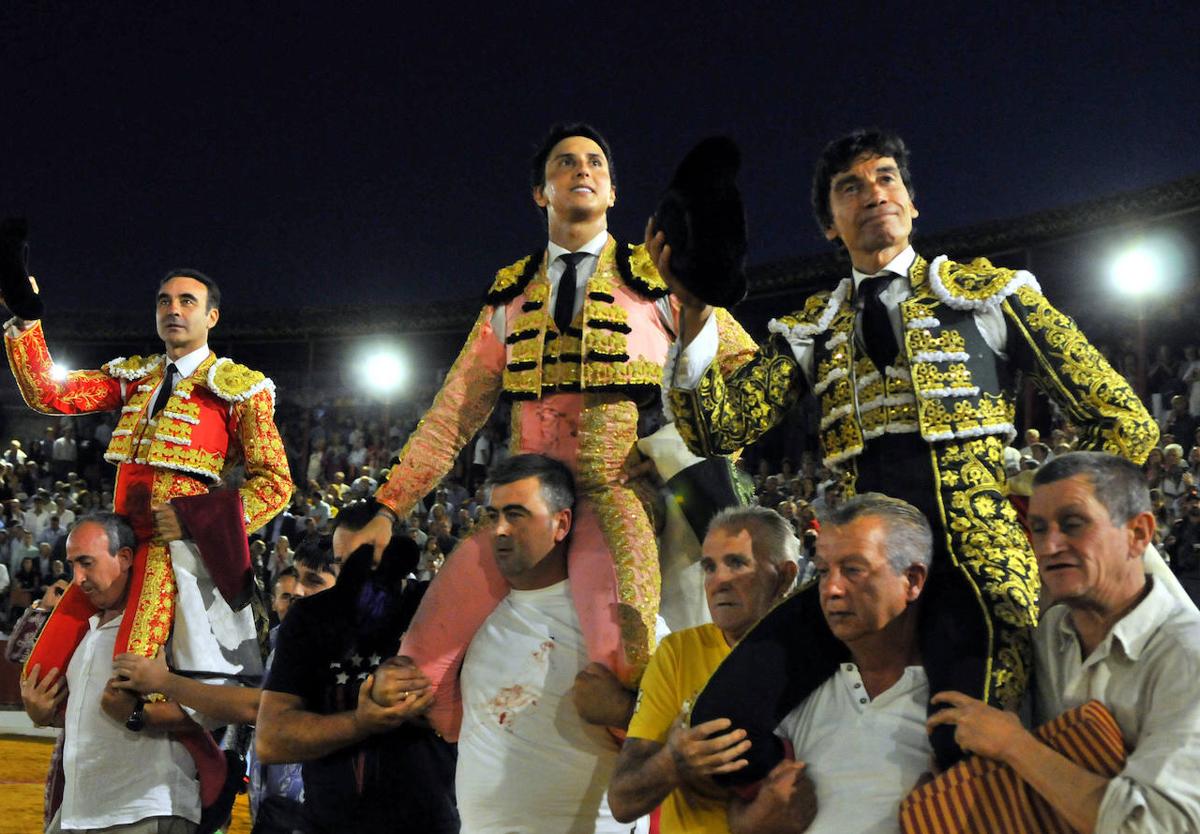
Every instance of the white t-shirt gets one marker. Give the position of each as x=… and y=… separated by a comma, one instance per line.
x=527, y=763
x=114, y=776
x=863, y=755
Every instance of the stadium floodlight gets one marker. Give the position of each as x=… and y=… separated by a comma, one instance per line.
x=384, y=371
x=1138, y=270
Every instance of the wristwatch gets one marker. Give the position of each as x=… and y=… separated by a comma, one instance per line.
x=137, y=719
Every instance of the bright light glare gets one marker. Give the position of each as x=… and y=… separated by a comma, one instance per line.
x=384, y=371
x=1138, y=270
x=58, y=372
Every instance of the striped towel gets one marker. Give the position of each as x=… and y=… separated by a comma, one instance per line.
x=983, y=796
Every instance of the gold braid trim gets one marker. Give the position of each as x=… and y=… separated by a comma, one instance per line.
x=268, y=486
x=988, y=546
x=723, y=415
x=135, y=367
x=507, y=282
x=1109, y=414
x=734, y=346
x=459, y=410
x=608, y=437
x=645, y=277
x=82, y=392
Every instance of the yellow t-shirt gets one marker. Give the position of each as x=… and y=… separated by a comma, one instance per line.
x=678, y=671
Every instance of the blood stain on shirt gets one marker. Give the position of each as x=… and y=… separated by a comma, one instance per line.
x=509, y=703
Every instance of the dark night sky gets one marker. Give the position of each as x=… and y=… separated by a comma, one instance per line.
x=306, y=153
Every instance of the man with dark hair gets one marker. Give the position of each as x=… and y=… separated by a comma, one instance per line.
x=914, y=363
x=557, y=133
x=749, y=560
x=527, y=761
x=285, y=592
x=1113, y=634
x=365, y=767
x=576, y=334
x=316, y=567
x=858, y=741
x=186, y=417
x=115, y=778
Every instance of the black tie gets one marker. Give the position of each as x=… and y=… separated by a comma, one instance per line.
x=877, y=333
x=164, y=390
x=564, y=306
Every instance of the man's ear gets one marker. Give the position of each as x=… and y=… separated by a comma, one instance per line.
x=562, y=524
x=916, y=574
x=830, y=232
x=125, y=557
x=213, y=315
x=1141, y=532
x=539, y=196
x=612, y=197
x=787, y=576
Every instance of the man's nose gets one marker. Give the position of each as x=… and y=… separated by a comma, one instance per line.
x=831, y=585
x=876, y=193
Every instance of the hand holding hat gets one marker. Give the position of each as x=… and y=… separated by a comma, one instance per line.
x=18, y=291
x=703, y=222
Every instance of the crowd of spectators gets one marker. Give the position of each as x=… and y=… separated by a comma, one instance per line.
x=340, y=454
x=340, y=458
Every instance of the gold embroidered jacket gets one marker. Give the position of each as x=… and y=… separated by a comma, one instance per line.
x=958, y=394
x=617, y=345
x=220, y=415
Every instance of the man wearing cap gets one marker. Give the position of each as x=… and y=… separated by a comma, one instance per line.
x=914, y=363
x=576, y=335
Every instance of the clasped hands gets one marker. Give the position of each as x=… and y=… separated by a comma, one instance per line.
x=396, y=692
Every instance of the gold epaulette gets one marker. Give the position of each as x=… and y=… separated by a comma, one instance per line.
x=643, y=274
x=235, y=383
x=976, y=285
x=510, y=281
x=814, y=306
x=819, y=310
x=135, y=367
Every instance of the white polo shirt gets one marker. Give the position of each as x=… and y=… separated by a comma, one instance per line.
x=864, y=755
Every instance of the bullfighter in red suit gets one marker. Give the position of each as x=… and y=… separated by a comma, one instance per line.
x=214, y=413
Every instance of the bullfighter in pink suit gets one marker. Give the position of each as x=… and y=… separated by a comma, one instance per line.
x=576, y=336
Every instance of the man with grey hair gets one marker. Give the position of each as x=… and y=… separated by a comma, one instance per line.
x=1114, y=634
x=749, y=558
x=858, y=741
x=121, y=774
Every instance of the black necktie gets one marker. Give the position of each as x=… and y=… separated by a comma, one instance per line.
x=877, y=333
x=564, y=306
x=164, y=390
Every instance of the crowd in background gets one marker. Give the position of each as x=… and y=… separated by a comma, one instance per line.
x=340, y=453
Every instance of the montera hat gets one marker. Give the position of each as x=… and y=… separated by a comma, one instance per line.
x=704, y=223
x=14, y=270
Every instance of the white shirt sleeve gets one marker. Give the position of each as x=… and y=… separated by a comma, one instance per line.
x=686, y=370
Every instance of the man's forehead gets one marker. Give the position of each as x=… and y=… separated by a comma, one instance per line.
x=575, y=146
x=859, y=538
x=865, y=162
x=1074, y=493
x=721, y=542
x=179, y=285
